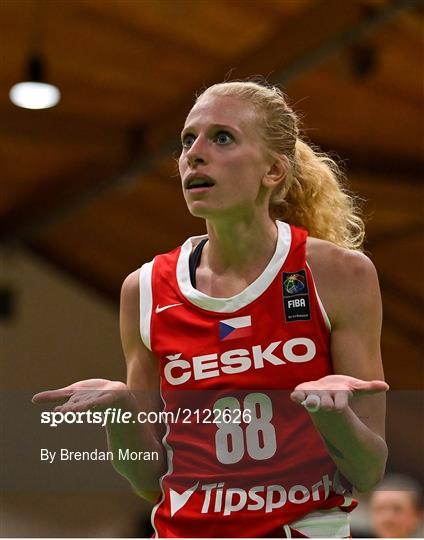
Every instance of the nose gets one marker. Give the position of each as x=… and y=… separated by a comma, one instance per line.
x=197, y=153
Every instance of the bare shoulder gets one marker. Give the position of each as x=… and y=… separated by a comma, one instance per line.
x=130, y=311
x=338, y=260
x=344, y=278
x=130, y=284
x=130, y=291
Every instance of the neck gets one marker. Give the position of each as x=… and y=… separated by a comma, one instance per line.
x=240, y=246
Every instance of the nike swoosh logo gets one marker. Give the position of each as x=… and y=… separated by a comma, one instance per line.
x=160, y=309
x=178, y=500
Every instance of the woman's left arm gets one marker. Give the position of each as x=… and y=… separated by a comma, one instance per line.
x=351, y=414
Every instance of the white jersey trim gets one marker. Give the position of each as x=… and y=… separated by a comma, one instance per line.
x=146, y=302
x=321, y=305
x=170, y=468
x=245, y=297
x=333, y=523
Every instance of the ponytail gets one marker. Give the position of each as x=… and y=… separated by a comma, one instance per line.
x=313, y=197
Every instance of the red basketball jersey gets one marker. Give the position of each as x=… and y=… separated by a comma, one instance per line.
x=243, y=459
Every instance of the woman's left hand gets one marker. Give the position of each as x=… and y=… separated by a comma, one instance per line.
x=333, y=392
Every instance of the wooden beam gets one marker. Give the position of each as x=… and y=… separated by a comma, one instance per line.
x=69, y=192
x=55, y=127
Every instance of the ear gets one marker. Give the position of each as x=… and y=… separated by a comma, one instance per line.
x=276, y=172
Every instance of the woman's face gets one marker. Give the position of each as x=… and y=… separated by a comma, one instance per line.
x=222, y=153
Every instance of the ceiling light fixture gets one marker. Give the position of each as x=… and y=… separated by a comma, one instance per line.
x=34, y=93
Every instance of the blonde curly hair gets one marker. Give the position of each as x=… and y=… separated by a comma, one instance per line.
x=313, y=195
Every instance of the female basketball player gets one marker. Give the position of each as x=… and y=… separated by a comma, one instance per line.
x=274, y=316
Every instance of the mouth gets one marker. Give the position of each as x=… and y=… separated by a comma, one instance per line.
x=198, y=182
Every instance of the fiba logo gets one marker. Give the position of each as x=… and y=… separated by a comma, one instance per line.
x=296, y=296
x=294, y=284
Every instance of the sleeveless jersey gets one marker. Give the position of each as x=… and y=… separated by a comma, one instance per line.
x=243, y=459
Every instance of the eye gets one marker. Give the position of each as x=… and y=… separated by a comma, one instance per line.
x=187, y=140
x=223, y=137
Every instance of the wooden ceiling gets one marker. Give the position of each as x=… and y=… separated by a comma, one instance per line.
x=92, y=186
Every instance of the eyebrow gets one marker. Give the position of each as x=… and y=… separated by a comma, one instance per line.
x=190, y=129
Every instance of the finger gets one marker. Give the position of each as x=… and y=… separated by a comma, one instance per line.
x=52, y=395
x=74, y=407
x=89, y=402
x=298, y=396
x=370, y=387
x=68, y=405
x=312, y=403
x=327, y=403
x=83, y=395
x=341, y=400
x=88, y=405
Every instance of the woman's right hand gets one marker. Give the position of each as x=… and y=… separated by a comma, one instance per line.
x=89, y=394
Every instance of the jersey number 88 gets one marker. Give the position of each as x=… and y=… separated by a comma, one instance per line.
x=231, y=440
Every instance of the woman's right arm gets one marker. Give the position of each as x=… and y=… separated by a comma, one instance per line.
x=143, y=384
x=140, y=393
